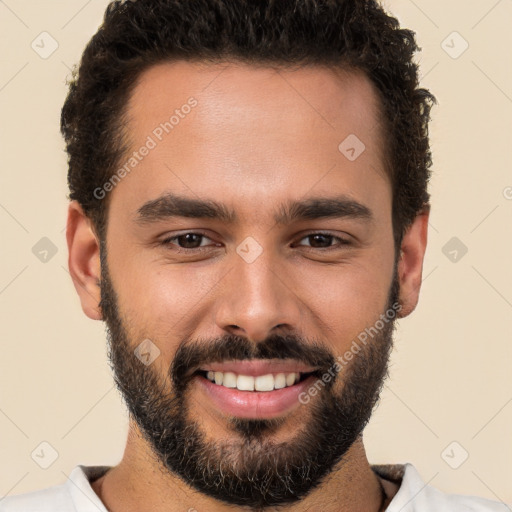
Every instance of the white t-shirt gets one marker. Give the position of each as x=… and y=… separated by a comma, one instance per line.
x=77, y=495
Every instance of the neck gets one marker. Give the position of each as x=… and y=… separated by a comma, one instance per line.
x=140, y=482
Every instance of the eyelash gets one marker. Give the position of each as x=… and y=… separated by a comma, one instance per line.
x=196, y=250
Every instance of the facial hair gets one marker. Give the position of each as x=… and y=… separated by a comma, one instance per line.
x=250, y=470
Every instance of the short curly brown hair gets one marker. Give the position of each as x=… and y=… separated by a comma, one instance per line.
x=348, y=34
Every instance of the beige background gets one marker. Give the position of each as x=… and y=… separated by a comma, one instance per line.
x=450, y=376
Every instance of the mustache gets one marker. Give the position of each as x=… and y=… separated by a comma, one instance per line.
x=191, y=355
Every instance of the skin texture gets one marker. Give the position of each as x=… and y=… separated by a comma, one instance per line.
x=257, y=139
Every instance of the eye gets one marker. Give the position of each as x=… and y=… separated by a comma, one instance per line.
x=187, y=242
x=324, y=240
x=191, y=242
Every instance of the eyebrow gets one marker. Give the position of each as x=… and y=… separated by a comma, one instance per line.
x=170, y=206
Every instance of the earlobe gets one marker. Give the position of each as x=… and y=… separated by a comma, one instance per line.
x=410, y=265
x=84, y=260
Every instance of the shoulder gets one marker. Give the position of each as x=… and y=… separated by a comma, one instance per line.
x=56, y=498
x=415, y=495
x=75, y=495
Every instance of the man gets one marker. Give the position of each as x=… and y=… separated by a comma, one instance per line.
x=249, y=211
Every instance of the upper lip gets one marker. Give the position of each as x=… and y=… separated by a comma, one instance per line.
x=258, y=367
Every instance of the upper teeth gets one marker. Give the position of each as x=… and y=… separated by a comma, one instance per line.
x=267, y=382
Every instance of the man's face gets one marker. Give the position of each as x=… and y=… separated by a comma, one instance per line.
x=289, y=287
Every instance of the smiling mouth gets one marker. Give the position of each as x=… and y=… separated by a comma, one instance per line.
x=266, y=382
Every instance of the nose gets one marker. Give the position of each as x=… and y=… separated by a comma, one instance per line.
x=255, y=299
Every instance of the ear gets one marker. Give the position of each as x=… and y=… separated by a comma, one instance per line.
x=410, y=265
x=84, y=260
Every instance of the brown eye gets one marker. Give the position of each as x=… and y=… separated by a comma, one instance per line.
x=186, y=241
x=320, y=240
x=189, y=240
x=324, y=241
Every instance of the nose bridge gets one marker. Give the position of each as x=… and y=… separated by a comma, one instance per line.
x=255, y=299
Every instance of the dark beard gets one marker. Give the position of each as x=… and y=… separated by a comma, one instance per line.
x=251, y=470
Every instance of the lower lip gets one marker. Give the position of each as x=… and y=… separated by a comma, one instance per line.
x=254, y=404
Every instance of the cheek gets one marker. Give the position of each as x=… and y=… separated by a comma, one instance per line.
x=160, y=293
x=162, y=303
x=349, y=299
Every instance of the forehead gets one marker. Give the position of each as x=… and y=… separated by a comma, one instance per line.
x=233, y=91
x=251, y=129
